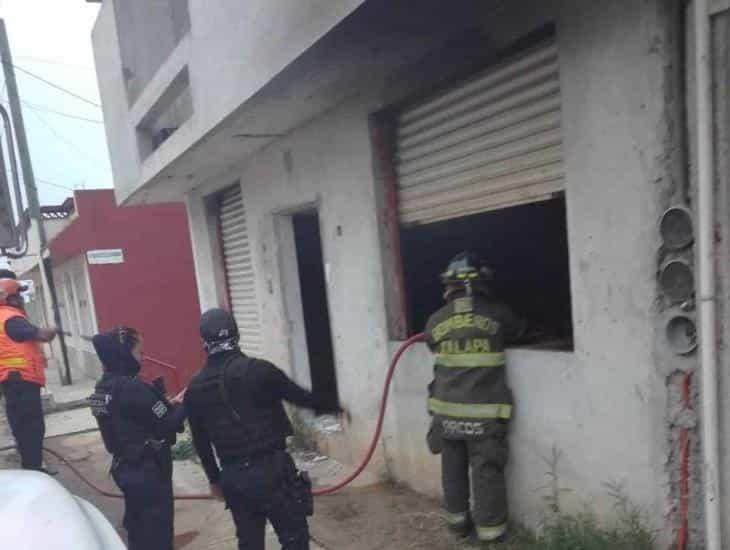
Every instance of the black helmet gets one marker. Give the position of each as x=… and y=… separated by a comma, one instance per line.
x=466, y=268
x=219, y=330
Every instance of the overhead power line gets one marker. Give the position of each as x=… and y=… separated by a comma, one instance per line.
x=53, y=62
x=56, y=86
x=59, y=113
x=66, y=187
x=61, y=138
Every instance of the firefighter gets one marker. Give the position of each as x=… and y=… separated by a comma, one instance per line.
x=138, y=425
x=469, y=399
x=234, y=405
x=22, y=372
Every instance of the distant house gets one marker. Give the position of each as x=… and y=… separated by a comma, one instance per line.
x=121, y=266
x=55, y=218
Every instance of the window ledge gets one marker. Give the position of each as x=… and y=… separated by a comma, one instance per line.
x=557, y=346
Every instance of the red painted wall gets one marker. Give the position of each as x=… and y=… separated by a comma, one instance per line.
x=154, y=290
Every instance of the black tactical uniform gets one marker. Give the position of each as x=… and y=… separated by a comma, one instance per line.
x=235, y=405
x=469, y=398
x=138, y=426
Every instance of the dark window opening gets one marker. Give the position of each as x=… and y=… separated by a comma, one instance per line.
x=314, y=305
x=526, y=245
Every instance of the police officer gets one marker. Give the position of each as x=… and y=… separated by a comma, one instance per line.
x=235, y=405
x=469, y=399
x=138, y=425
x=22, y=372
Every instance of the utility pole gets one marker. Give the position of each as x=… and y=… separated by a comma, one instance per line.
x=31, y=191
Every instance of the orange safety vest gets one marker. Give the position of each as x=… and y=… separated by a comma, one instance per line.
x=25, y=358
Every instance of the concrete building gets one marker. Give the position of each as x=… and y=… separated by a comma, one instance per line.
x=334, y=155
x=127, y=266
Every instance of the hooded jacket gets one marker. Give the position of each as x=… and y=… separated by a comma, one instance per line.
x=130, y=412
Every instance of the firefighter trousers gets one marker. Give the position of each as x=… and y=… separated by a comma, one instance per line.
x=25, y=416
x=487, y=459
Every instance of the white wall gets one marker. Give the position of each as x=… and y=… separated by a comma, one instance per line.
x=148, y=34
x=233, y=49
x=602, y=406
x=333, y=172
x=78, y=315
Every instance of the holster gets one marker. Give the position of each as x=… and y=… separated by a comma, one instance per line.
x=301, y=491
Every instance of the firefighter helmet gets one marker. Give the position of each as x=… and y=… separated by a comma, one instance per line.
x=465, y=269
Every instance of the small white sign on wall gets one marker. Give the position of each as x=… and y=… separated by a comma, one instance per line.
x=110, y=256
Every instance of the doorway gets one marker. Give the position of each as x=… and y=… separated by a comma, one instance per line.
x=314, y=307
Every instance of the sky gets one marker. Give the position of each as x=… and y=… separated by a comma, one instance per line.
x=66, y=153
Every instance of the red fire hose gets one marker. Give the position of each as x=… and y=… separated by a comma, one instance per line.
x=114, y=494
x=317, y=491
x=379, y=427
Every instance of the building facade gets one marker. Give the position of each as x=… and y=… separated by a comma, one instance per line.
x=28, y=267
x=131, y=266
x=334, y=155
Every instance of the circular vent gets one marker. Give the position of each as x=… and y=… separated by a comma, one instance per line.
x=681, y=335
x=677, y=281
x=676, y=228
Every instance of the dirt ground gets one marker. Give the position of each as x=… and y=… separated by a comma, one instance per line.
x=362, y=518
x=380, y=517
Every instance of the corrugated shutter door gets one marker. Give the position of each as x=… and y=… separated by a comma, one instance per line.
x=239, y=269
x=491, y=142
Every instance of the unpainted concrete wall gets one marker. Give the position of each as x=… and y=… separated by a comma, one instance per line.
x=601, y=407
x=148, y=34
x=234, y=48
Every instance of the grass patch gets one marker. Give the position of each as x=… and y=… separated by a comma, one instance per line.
x=583, y=532
x=559, y=531
x=184, y=449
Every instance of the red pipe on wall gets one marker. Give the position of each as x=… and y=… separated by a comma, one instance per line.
x=684, y=449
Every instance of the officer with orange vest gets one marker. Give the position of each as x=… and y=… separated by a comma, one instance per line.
x=22, y=375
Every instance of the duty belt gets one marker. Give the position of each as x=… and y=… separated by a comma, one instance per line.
x=155, y=445
x=252, y=456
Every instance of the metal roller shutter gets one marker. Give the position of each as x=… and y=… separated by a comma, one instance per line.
x=489, y=143
x=239, y=269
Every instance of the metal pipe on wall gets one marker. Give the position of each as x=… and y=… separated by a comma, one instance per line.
x=707, y=277
x=31, y=192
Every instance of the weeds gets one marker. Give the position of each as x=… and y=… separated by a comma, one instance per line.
x=560, y=531
x=583, y=532
x=184, y=449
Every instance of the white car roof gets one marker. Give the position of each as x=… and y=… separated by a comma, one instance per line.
x=37, y=512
